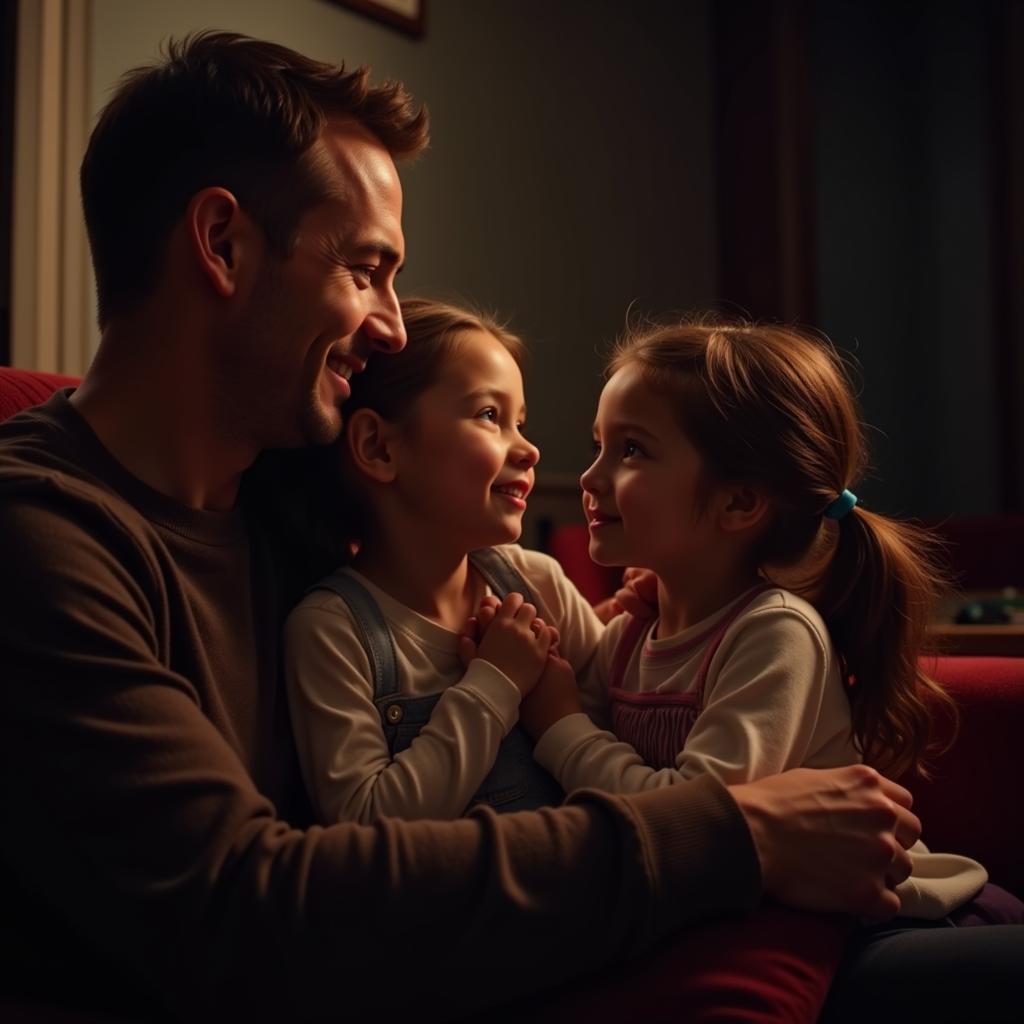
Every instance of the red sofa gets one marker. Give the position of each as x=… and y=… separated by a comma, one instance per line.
x=969, y=806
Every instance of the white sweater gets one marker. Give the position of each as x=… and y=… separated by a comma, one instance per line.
x=773, y=700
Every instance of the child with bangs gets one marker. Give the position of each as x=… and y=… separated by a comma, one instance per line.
x=423, y=503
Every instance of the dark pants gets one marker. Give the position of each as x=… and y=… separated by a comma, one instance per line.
x=936, y=974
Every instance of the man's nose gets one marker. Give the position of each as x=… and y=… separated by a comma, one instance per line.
x=384, y=326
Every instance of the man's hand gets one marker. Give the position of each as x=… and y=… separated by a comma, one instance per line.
x=831, y=839
x=554, y=697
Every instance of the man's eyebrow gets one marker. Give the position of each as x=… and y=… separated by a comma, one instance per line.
x=386, y=252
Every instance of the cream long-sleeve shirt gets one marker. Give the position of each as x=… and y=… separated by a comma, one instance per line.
x=345, y=760
x=773, y=700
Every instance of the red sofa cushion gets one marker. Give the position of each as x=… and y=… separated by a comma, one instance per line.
x=20, y=389
x=570, y=545
x=971, y=804
x=23, y=388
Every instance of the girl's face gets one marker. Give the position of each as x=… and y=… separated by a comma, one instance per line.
x=465, y=467
x=641, y=494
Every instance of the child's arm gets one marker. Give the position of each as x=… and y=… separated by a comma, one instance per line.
x=347, y=765
x=580, y=629
x=773, y=701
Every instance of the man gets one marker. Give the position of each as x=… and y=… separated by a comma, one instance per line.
x=244, y=215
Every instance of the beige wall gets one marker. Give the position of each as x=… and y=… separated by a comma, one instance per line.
x=570, y=175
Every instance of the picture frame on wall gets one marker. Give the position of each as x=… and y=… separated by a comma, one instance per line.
x=410, y=16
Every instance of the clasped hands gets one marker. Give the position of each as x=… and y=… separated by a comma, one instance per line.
x=827, y=839
x=509, y=634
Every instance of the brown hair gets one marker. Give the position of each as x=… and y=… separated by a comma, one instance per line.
x=391, y=383
x=772, y=406
x=220, y=109
x=304, y=493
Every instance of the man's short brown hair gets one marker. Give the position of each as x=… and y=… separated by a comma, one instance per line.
x=220, y=109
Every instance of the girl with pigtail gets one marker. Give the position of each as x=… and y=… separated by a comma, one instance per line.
x=790, y=619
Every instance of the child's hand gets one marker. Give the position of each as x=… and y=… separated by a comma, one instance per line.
x=554, y=697
x=475, y=627
x=638, y=594
x=513, y=639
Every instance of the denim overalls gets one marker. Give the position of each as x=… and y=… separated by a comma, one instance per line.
x=516, y=782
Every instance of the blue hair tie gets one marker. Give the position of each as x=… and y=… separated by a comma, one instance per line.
x=840, y=508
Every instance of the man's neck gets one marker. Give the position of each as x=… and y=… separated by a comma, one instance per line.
x=149, y=405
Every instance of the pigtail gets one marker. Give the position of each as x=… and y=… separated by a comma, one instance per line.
x=876, y=597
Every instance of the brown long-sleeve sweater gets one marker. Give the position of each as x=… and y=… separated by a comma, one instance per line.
x=155, y=843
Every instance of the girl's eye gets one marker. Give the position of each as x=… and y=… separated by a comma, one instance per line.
x=631, y=449
x=490, y=413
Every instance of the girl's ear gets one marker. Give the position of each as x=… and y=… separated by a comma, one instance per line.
x=371, y=445
x=742, y=508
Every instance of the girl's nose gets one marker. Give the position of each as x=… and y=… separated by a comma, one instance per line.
x=525, y=453
x=590, y=478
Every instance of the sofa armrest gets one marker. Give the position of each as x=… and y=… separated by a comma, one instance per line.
x=970, y=804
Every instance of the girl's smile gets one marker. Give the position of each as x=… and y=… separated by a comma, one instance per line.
x=463, y=463
x=515, y=491
x=642, y=495
x=596, y=519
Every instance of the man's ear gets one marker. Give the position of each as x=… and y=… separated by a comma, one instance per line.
x=221, y=237
x=742, y=508
x=370, y=440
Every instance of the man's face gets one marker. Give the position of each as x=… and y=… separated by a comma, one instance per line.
x=314, y=318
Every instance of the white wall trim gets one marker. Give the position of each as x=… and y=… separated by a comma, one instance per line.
x=51, y=275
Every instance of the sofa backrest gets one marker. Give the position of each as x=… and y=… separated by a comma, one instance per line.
x=21, y=389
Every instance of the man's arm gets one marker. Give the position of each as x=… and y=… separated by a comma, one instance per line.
x=138, y=822
x=831, y=839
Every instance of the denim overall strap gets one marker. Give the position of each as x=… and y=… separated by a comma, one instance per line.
x=515, y=782
x=500, y=574
x=373, y=630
